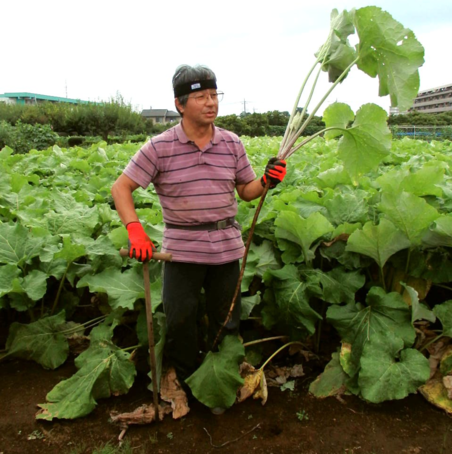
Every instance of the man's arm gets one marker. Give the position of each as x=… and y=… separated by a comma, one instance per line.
x=275, y=171
x=250, y=191
x=122, y=191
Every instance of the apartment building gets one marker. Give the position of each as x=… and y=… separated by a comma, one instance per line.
x=434, y=100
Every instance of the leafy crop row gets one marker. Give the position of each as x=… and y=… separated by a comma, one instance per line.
x=361, y=255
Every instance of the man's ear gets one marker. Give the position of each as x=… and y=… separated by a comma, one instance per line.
x=179, y=106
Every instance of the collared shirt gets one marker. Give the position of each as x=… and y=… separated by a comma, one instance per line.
x=195, y=187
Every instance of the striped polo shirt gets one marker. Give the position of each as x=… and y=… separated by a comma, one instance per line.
x=195, y=187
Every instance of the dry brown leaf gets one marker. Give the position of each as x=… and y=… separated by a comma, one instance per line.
x=281, y=374
x=262, y=392
x=436, y=393
x=255, y=384
x=252, y=381
x=272, y=383
x=447, y=382
x=437, y=351
x=171, y=391
x=297, y=371
x=277, y=376
x=341, y=237
x=245, y=368
x=142, y=415
x=275, y=372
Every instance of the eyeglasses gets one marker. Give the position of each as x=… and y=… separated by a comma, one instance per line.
x=202, y=98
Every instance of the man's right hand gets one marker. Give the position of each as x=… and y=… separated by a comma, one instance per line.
x=140, y=245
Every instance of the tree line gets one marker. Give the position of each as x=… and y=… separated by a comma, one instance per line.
x=417, y=118
x=38, y=126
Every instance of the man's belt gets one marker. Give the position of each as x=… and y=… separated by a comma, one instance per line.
x=223, y=224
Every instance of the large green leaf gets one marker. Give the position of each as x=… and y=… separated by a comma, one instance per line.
x=70, y=251
x=247, y=305
x=378, y=241
x=337, y=54
x=55, y=268
x=439, y=233
x=292, y=227
x=34, y=284
x=338, y=286
x=390, y=372
x=418, y=310
x=104, y=370
x=335, y=175
x=337, y=116
x=51, y=245
x=217, y=380
x=331, y=381
x=260, y=258
x=350, y=208
x=424, y=181
x=8, y=274
x=411, y=214
x=123, y=289
x=119, y=237
x=101, y=252
x=80, y=219
x=366, y=142
x=444, y=313
x=291, y=298
x=357, y=324
x=40, y=341
x=392, y=52
x=18, y=245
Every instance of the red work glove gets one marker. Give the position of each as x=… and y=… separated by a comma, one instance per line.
x=140, y=246
x=275, y=171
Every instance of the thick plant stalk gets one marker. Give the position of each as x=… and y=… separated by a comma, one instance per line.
x=277, y=351
x=60, y=287
x=242, y=270
x=268, y=339
x=285, y=152
x=295, y=107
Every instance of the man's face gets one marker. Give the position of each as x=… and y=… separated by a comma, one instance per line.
x=201, y=108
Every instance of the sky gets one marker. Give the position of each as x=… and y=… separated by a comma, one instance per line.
x=259, y=50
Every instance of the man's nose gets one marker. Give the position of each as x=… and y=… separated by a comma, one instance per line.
x=210, y=99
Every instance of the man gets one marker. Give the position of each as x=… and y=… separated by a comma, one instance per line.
x=195, y=168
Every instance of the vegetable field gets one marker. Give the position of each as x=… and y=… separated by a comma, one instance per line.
x=370, y=257
x=359, y=270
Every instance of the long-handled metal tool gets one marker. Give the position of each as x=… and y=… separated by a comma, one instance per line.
x=147, y=294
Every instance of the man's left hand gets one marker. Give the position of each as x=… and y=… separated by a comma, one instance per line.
x=275, y=171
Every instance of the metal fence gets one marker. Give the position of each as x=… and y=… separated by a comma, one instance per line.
x=422, y=132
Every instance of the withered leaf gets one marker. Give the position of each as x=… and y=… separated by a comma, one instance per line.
x=171, y=391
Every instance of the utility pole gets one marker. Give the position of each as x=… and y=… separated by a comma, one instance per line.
x=65, y=83
x=244, y=105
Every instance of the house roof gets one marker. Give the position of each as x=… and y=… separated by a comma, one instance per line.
x=41, y=97
x=159, y=113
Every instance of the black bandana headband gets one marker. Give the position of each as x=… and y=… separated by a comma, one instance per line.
x=191, y=87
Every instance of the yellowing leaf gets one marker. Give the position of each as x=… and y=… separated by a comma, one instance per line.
x=254, y=384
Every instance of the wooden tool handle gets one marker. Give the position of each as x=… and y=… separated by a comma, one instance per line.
x=155, y=255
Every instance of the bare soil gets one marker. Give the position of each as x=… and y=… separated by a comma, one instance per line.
x=290, y=422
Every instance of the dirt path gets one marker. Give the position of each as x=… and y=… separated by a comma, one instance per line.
x=290, y=422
